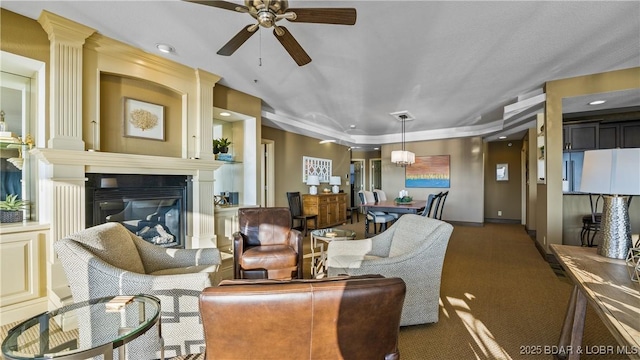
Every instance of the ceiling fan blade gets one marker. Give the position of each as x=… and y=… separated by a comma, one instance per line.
x=292, y=46
x=346, y=16
x=222, y=5
x=235, y=42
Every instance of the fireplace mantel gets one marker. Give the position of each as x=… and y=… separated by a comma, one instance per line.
x=114, y=163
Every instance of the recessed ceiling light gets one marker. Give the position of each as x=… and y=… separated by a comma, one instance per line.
x=597, y=102
x=352, y=126
x=224, y=113
x=327, y=141
x=165, y=48
x=502, y=137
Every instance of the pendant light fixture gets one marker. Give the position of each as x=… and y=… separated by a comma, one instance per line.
x=402, y=157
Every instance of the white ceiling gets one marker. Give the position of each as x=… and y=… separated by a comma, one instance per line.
x=454, y=65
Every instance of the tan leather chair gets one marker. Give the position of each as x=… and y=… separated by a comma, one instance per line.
x=331, y=318
x=265, y=245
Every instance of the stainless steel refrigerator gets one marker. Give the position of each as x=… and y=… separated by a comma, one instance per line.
x=572, y=171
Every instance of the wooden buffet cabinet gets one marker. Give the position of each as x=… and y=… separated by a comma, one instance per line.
x=330, y=208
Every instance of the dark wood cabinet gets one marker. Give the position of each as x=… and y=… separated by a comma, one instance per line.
x=609, y=136
x=619, y=135
x=579, y=137
x=630, y=134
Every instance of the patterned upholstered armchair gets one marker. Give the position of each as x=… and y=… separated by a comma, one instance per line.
x=413, y=249
x=107, y=260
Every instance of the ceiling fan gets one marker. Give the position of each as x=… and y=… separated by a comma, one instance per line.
x=268, y=12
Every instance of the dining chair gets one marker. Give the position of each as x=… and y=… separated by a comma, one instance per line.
x=379, y=196
x=377, y=217
x=297, y=213
x=429, y=206
x=438, y=212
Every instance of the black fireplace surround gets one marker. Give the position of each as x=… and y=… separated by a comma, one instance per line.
x=153, y=207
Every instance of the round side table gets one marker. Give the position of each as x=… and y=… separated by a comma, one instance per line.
x=319, y=264
x=83, y=330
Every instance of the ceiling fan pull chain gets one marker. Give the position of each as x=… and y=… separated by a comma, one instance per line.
x=260, y=51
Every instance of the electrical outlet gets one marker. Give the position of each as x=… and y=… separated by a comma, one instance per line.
x=499, y=212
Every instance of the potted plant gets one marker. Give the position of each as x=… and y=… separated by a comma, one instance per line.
x=223, y=145
x=216, y=146
x=11, y=209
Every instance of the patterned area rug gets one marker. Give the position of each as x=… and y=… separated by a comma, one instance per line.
x=498, y=298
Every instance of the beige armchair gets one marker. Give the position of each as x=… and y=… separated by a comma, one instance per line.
x=107, y=260
x=413, y=249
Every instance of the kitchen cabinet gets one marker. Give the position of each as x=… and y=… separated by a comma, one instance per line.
x=630, y=134
x=619, y=135
x=579, y=137
x=330, y=208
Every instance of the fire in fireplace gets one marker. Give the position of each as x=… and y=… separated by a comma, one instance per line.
x=153, y=207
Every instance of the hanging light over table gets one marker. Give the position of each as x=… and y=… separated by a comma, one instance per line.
x=403, y=157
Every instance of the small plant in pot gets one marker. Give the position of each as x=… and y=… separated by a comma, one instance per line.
x=216, y=146
x=11, y=209
x=223, y=145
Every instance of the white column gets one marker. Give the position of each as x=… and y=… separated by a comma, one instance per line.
x=203, y=222
x=62, y=193
x=65, y=88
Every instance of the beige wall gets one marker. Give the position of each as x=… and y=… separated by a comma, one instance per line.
x=237, y=101
x=113, y=90
x=465, y=202
x=531, y=181
x=550, y=219
x=504, y=196
x=23, y=36
x=289, y=150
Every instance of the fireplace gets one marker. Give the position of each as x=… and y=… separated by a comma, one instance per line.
x=153, y=207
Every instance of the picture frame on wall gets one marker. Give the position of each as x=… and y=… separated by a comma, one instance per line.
x=143, y=120
x=502, y=172
x=429, y=172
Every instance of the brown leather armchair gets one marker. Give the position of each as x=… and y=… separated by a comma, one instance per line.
x=331, y=318
x=265, y=245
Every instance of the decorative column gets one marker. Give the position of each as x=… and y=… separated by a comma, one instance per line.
x=204, y=225
x=62, y=192
x=65, y=87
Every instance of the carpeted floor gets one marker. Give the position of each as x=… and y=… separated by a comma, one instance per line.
x=499, y=300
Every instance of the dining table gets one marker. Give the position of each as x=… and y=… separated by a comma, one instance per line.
x=391, y=206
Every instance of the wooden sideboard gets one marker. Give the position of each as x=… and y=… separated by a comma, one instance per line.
x=330, y=208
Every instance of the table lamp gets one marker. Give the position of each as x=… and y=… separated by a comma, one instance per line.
x=313, y=181
x=615, y=173
x=335, y=181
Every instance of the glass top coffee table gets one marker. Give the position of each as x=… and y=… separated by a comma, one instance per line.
x=319, y=264
x=83, y=330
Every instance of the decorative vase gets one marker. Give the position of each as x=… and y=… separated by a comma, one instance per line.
x=10, y=216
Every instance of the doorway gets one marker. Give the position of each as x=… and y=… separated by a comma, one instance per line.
x=375, y=166
x=267, y=169
x=357, y=178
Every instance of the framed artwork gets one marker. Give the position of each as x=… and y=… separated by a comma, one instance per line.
x=316, y=166
x=428, y=172
x=502, y=172
x=143, y=120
